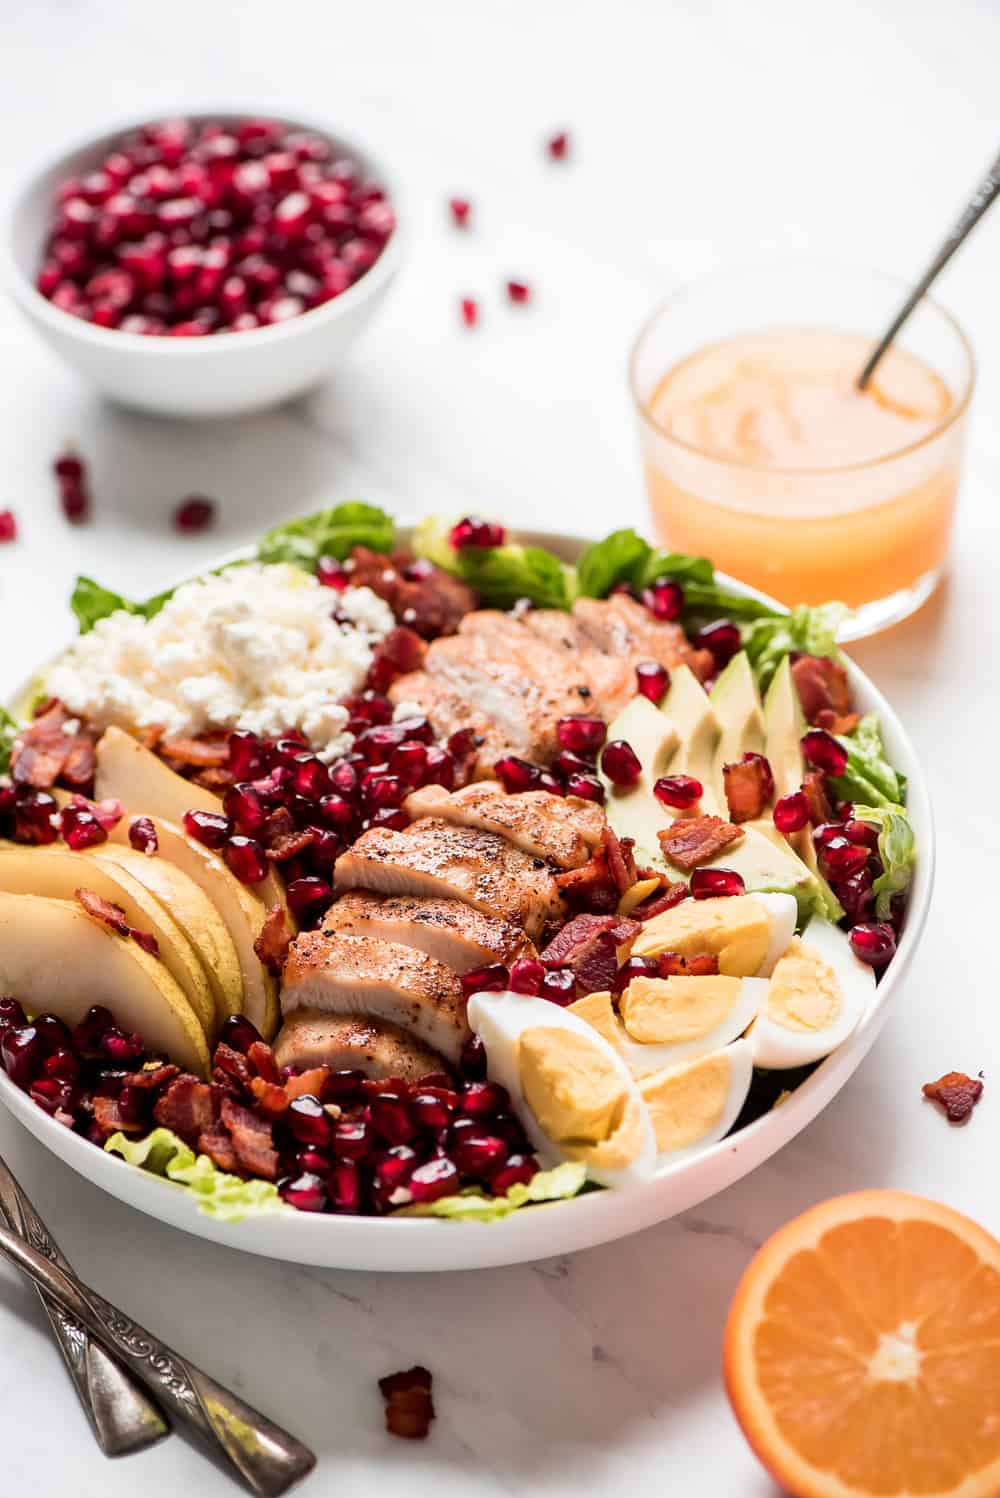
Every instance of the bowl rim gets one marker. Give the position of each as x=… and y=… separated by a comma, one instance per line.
x=23, y=290
x=410, y=1244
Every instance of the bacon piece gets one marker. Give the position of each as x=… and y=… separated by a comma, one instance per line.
x=209, y=751
x=103, y=911
x=217, y=1145
x=290, y=845
x=110, y=1119
x=836, y=722
x=152, y=1078
x=626, y=931
x=230, y=1066
x=692, y=841
x=432, y=602
x=151, y=736
x=80, y=764
x=261, y=1059
x=146, y=940
x=749, y=787
x=45, y=753
x=311, y=1082
x=187, y=1108
x=215, y=779
x=621, y=864
x=814, y=790
x=271, y=1099
x=591, y=885
x=588, y=944
x=274, y=940
x=957, y=1093
x=665, y=898
x=409, y=1406
x=595, y=966
x=252, y=1140
x=821, y=683
x=699, y=965
x=574, y=935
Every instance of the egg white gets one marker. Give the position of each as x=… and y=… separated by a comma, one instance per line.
x=499, y=1019
x=741, y=1064
x=643, y=1057
x=776, y=1046
x=784, y=912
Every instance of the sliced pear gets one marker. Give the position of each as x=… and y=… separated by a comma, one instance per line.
x=59, y=961
x=132, y=774
x=57, y=873
x=241, y=911
x=194, y=913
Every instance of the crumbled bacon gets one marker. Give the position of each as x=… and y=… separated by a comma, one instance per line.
x=152, y=1078
x=290, y=845
x=698, y=965
x=187, y=1108
x=311, y=1082
x=252, y=1140
x=217, y=1145
x=409, y=1406
x=274, y=940
x=692, y=841
x=210, y=751
x=836, y=722
x=46, y=753
x=822, y=685
x=103, y=911
x=749, y=787
x=270, y=1098
x=591, y=886
x=110, y=1119
x=626, y=931
x=814, y=790
x=621, y=863
x=216, y=778
x=594, y=967
x=146, y=940
x=261, y=1059
x=664, y=898
x=421, y=596
x=574, y=935
x=957, y=1093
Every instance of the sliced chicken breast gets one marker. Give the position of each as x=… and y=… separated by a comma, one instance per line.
x=436, y=859
x=611, y=678
x=448, y=712
x=352, y=1042
x=622, y=627
x=457, y=935
x=563, y=830
x=337, y=973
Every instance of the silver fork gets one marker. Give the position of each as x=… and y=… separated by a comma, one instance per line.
x=124, y=1420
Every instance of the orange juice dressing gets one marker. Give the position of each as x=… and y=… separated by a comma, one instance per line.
x=761, y=454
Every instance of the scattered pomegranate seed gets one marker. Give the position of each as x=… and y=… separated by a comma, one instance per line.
x=308, y=897
x=517, y=774
x=434, y=1179
x=558, y=146
x=559, y=985
x=634, y=967
x=824, y=752
x=208, y=827
x=306, y=1192
x=857, y=896
x=652, y=680
x=664, y=598
x=8, y=526
x=74, y=495
x=840, y=858
x=473, y=532
x=518, y=292
x=680, y=791
x=460, y=209
x=519, y=1170
x=874, y=943
x=722, y=638
x=470, y=311
x=239, y=1033
x=81, y=829
x=791, y=813
x=707, y=884
x=582, y=733
x=865, y=834
x=621, y=764
x=194, y=514
x=527, y=976
x=246, y=858
x=587, y=787
x=332, y=574
x=493, y=978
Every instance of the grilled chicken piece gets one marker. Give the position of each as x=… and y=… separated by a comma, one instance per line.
x=563, y=830
x=611, y=677
x=341, y=974
x=622, y=627
x=352, y=1042
x=454, y=933
x=436, y=859
x=448, y=712
x=520, y=683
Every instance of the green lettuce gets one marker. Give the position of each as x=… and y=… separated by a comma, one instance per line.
x=328, y=533
x=501, y=575
x=90, y=602
x=472, y=1206
x=897, y=848
x=813, y=631
x=624, y=557
x=8, y=733
x=868, y=776
x=224, y=1197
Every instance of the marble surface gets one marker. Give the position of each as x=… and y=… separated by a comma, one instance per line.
x=704, y=134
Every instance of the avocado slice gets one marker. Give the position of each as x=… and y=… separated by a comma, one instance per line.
x=688, y=708
x=737, y=706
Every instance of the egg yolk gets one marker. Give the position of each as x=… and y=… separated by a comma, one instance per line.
x=580, y=1099
x=687, y=1102
x=804, y=993
x=670, y=1011
x=735, y=930
x=598, y=1011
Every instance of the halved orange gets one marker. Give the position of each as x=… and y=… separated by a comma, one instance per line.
x=862, y=1351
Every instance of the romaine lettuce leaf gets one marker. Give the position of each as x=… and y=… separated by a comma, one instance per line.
x=564, y=1181
x=813, y=631
x=8, y=733
x=91, y=602
x=224, y=1197
x=328, y=533
x=897, y=848
x=869, y=776
x=500, y=574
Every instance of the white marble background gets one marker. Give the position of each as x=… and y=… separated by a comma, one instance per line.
x=704, y=134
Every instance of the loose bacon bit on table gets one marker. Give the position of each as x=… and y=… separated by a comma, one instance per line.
x=274, y=940
x=814, y=790
x=957, y=1094
x=692, y=841
x=112, y=916
x=187, y=1108
x=252, y=1140
x=749, y=787
x=822, y=685
x=699, y=965
x=45, y=753
x=409, y=1406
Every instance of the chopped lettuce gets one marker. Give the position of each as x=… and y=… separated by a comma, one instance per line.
x=8, y=733
x=471, y=1206
x=869, y=776
x=328, y=533
x=897, y=848
x=501, y=575
x=91, y=602
x=224, y=1197
x=624, y=557
x=813, y=631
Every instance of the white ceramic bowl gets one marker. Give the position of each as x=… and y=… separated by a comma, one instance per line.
x=220, y=375
x=558, y=1227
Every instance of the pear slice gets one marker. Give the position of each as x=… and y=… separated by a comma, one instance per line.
x=241, y=911
x=57, y=960
x=57, y=873
x=193, y=912
x=132, y=774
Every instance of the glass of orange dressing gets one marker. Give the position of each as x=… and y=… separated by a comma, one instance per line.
x=761, y=454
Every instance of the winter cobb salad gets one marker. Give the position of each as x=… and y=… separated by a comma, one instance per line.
x=437, y=881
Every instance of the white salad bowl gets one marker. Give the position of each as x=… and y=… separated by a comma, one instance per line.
x=414, y=1244
x=221, y=375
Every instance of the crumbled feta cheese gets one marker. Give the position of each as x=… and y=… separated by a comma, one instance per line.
x=255, y=647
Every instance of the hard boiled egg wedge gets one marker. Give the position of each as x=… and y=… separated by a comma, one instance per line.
x=696, y=1104
x=665, y=1021
x=747, y=933
x=816, y=996
x=571, y=1090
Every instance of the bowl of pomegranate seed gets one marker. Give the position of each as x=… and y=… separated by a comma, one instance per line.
x=206, y=265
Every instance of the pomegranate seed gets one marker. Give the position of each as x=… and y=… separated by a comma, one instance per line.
x=22, y=1055
x=621, y=764
x=352, y=1139
x=865, y=834
x=81, y=829
x=473, y=1059
x=314, y=1161
x=305, y=1192
x=108, y=811
x=634, y=967
x=874, y=943
x=246, y=858
x=548, y=782
x=825, y=833
x=857, y=896
x=332, y=574
x=707, y=884
x=388, y=816
x=53, y=1033
x=62, y=1066
x=239, y=1033
x=558, y=146
x=87, y=1035
x=390, y=1117
x=344, y=1187
x=518, y=1171
x=120, y=1048
x=308, y=897
x=652, y=680
x=308, y=1120
x=460, y=208
x=582, y=733
x=679, y=791
x=194, y=514
x=559, y=985
x=476, y=533
x=479, y=1155
x=463, y=742
x=484, y=1099
x=840, y=858
x=440, y=768
x=518, y=292
x=433, y=1179
x=791, y=813
x=823, y=752
x=664, y=599
x=383, y=791
x=11, y=1014
x=310, y=777
x=208, y=827
x=587, y=787
x=408, y=761
x=722, y=638
x=493, y=978
x=517, y=774
x=430, y=1111
x=243, y=806
x=8, y=526
x=527, y=976
x=33, y=818
x=142, y=835
x=337, y=812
